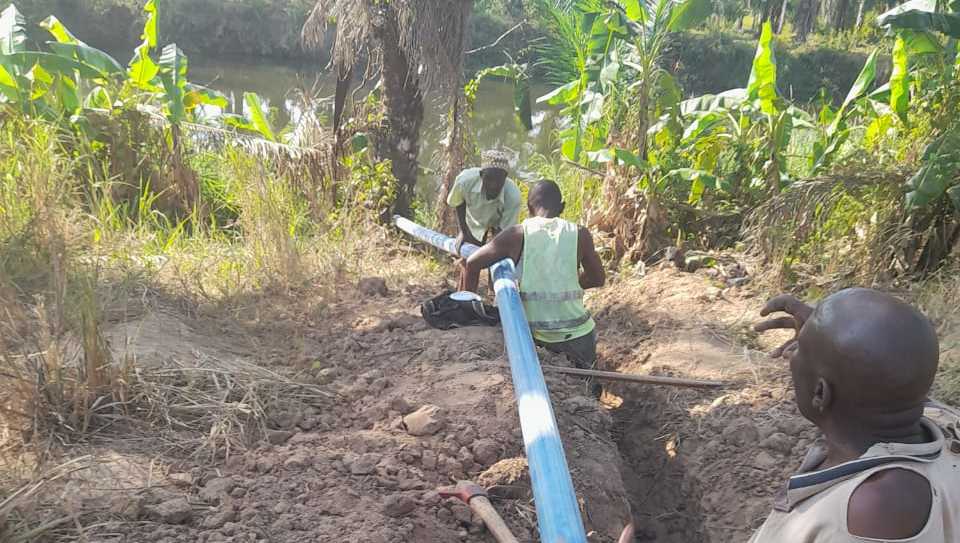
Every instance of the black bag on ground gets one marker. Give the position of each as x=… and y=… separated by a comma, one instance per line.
x=458, y=309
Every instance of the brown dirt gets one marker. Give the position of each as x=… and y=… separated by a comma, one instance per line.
x=350, y=470
x=700, y=465
x=692, y=465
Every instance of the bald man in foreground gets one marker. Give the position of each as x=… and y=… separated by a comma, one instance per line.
x=862, y=364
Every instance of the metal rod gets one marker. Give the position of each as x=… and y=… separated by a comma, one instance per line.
x=558, y=512
x=632, y=378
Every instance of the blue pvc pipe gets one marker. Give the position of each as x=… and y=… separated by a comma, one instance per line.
x=558, y=512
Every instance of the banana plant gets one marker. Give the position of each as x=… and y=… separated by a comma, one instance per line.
x=142, y=70
x=577, y=41
x=613, y=42
x=650, y=22
x=940, y=173
x=257, y=121
x=833, y=137
x=941, y=16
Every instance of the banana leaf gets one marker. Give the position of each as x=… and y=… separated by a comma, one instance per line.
x=258, y=116
x=702, y=124
x=59, y=31
x=730, y=99
x=52, y=63
x=150, y=34
x=941, y=164
x=173, y=74
x=9, y=88
x=199, y=95
x=922, y=15
x=859, y=89
x=522, y=104
x=900, y=80
x=561, y=95
x=687, y=14
x=90, y=56
x=142, y=70
x=621, y=156
x=699, y=180
x=98, y=98
x=762, y=86
x=13, y=34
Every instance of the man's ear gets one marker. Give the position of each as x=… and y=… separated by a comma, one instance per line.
x=822, y=395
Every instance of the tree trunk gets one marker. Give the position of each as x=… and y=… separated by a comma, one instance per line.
x=860, y=9
x=457, y=151
x=458, y=133
x=837, y=14
x=782, y=16
x=805, y=18
x=773, y=11
x=403, y=102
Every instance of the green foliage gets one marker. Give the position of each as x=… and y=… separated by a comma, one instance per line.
x=900, y=80
x=836, y=133
x=74, y=79
x=257, y=123
x=173, y=74
x=762, y=86
x=940, y=173
x=372, y=187
x=924, y=15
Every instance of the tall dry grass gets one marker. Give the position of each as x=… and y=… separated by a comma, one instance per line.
x=937, y=298
x=75, y=251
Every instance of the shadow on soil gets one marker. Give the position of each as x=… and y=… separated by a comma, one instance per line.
x=664, y=497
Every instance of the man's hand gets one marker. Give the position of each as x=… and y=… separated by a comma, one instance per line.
x=466, y=238
x=799, y=313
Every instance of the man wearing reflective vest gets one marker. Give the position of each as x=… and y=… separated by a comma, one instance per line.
x=556, y=261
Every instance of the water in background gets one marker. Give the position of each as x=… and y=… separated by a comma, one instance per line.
x=494, y=122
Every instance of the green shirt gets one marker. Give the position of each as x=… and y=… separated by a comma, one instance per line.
x=483, y=214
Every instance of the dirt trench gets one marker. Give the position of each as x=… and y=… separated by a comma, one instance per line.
x=699, y=465
x=686, y=465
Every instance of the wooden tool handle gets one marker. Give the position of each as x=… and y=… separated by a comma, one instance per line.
x=484, y=509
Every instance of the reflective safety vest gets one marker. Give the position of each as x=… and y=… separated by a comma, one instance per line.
x=550, y=281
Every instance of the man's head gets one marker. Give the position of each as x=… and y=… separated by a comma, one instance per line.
x=864, y=359
x=493, y=173
x=545, y=200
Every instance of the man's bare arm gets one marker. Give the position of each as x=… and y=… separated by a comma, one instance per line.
x=593, y=274
x=465, y=236
x=890, y=505
x=507, y=244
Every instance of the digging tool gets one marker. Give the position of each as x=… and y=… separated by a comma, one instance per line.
x=475, y=496
x=648, y=379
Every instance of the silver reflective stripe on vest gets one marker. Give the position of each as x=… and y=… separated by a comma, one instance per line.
x=559, y=325
x=551, y=296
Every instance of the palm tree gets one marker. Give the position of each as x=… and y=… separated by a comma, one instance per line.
x=414, y=46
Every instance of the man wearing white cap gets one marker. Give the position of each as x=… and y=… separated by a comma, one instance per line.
x=486, y=200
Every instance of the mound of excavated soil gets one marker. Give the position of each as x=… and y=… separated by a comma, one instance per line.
x=419, y=409
x=700, y=465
